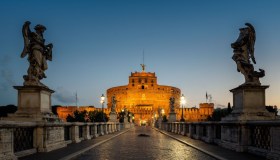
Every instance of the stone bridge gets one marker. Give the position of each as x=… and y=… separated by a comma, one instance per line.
x=178, y=140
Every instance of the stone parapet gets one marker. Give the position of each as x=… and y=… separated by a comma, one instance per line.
x=256, y=137
x=44, y=137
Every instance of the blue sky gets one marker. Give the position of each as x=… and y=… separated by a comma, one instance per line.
x=98, y=43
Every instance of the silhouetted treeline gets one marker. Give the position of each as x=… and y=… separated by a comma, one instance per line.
x=219, y=113
x=4, y=110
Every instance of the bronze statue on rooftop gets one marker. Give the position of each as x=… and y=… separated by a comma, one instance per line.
x=244, y=52
x=38, y=54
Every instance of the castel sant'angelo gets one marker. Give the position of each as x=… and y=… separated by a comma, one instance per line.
x=143, y=96
x=146, y=99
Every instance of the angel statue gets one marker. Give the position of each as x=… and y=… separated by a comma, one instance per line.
x=38, y=54
x=171, y=104
x=243, y=49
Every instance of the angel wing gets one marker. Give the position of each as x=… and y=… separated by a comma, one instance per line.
x=26, y=37
x=252, y=39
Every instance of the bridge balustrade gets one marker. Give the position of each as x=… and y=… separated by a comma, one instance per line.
x=18, y=139
x=23, y=138
x=257, y=137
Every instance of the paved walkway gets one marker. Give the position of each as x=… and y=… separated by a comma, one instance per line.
x=151, y=146
x=211, y=149
x=73, y=149
x=129, y=145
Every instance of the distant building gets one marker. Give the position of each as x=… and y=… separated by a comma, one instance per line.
x=64, y=111
x=146, y=99
x=196, y=114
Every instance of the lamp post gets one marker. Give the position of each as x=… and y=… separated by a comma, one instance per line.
x=182, y=101
x=102, y=101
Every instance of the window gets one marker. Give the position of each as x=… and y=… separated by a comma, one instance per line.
x=143, y=87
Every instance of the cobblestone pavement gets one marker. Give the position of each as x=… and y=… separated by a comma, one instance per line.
x=156, y=146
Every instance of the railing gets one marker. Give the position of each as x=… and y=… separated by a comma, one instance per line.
x=23, y=139
x=67, y=133
x=261, y=137
x=218, y=131
x=257, y=137
x=81, y=131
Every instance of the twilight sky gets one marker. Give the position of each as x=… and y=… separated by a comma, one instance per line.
x=98, y=43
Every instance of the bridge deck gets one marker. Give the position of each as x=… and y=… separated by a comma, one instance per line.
x=129, y=145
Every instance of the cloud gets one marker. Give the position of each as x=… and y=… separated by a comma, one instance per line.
x=64, y=96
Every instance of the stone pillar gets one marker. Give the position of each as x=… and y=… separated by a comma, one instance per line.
x=49, y=136
x=275, y=150
x=7, y=144
x=184, y=129
x=173, y=127
x=111, y=128
x=114, y=127
x=95, y=133
x=113, y=117
x=86, y=132
x=198, y=131
x=101, y=129
x=210, y=133
x=190, y=130
x=75, y=134
x=119, y=126
x=172, y=117
x=249, y=104
x=178, y=128
x=34, y=104
x=105, y=128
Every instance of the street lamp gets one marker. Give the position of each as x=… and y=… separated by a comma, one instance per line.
x=182, y=101
x=102, y=101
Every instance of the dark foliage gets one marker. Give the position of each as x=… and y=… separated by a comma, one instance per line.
x=54, y=109
x=96, y=116
x=78, y=116
x=4, y=110
x=164, y=118
x=272, y=109
x=219, y=113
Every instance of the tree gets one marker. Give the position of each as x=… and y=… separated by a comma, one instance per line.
x=4, y=110
x=78, y=116
x=121, y=116
x=164, y=118
x=54, y=109
x=272, y=109
x=229, y=108
x=96, y=116
x=218, y=114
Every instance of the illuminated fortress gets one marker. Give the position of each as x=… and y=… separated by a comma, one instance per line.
x=143, y=96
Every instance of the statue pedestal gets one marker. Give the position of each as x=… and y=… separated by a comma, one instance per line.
x=113, y=117
x=249, y=104
x=172, y=117
x=34, y=104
